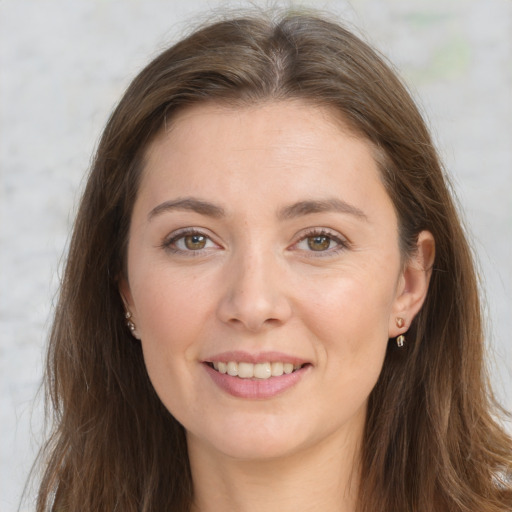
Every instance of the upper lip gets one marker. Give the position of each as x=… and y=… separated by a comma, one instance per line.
x=240, y=356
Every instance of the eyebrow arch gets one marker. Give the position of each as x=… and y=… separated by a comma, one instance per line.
x=190, y=204
x=318, y=206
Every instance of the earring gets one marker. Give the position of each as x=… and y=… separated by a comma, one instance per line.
x=131, y=325
x=400, y=340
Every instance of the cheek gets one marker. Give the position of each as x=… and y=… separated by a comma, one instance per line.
x=170, y=318
x=351, y=325
x=349, y=320
x=169, y=302
x=171, y=314
x=350, y=305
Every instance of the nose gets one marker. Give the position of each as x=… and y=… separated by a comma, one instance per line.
x=254, y=296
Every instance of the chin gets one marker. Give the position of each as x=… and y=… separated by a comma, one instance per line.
x=257, y=449
x=254, y=440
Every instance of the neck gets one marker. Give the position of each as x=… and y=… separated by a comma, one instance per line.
x=321, y=477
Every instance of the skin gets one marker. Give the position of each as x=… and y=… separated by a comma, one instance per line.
x=263, y=282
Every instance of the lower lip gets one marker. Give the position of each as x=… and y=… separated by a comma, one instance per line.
x=255, y=389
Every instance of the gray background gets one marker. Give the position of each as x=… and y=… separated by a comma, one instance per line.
x=64, y=64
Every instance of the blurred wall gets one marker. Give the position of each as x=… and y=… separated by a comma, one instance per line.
x=64, y=64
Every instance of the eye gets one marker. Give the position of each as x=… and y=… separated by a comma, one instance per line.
x=192, y=242
x=321, y=241
x=189, y=241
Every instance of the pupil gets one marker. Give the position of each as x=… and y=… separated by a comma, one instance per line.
x=319, y=243
x=195, y=241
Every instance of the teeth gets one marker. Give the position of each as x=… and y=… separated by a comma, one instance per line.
x=288, y=368
x=245, y=370
x=276, y=369
x=262, y=371
x=232, y=369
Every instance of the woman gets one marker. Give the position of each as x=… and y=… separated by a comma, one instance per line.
x=269, y=300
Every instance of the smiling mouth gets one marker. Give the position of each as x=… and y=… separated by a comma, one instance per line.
x=245, y=370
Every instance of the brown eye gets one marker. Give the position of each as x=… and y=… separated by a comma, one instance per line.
x=190, y=243
x=319, y=243
x=195, y=242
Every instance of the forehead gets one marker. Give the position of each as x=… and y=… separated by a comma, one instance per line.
x=312, y=115
x=275, y=149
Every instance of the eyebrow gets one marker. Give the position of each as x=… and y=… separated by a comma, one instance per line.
x=292, y=211
x=319, y=206
x=188, y=204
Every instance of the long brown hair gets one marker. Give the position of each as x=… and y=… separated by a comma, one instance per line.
x=430, y=444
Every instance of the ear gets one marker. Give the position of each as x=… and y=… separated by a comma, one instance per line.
x=126, y=294
x=129, y=307
x=413, y=284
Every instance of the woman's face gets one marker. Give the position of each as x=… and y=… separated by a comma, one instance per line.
x=263, y=241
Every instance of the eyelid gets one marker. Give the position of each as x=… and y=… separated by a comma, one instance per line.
x=176, y=235
x=342, y=241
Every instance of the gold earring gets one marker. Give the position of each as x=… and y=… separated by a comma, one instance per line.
x=131, y=325
x=400, y=340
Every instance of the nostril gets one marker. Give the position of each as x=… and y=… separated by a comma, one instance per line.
x=256, y=305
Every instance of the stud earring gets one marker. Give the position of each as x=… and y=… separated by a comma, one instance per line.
x=131, y=325
x=400, y=340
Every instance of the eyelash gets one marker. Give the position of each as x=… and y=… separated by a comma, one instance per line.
x=342, y=244
x=168, y=243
